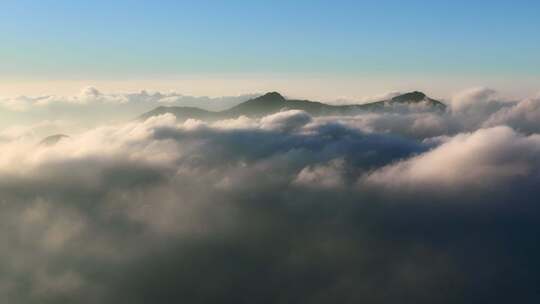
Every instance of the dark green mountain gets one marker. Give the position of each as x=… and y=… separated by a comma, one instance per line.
x=274, y=102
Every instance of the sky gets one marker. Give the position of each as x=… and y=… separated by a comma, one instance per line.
x=234, y=47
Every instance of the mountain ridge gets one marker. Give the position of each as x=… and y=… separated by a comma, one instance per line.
x=273, y=102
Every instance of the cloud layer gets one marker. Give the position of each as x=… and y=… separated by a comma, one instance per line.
x=375, y=208
x=91, y=107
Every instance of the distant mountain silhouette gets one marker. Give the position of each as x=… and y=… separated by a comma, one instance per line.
x=274, y=102
x=52, y=140
x=417, y=97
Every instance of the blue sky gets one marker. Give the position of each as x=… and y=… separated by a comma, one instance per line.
x=45, y=39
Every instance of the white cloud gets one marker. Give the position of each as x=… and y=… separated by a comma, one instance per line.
x=523, y=116
x=473, y=99
x=285, y=121
x=486, y=158
x=192, y=210
x=92, y=107
x=329, y=175
x=91, y=96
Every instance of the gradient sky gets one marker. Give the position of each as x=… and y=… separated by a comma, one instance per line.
x=44, y=40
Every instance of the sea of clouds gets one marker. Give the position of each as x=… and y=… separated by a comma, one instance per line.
x=389, y=207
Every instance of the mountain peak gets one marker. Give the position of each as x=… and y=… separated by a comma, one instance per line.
x=271, y=96
x=410, y=97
